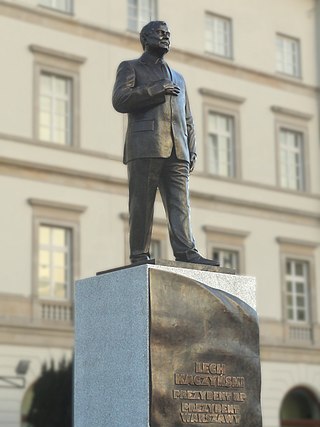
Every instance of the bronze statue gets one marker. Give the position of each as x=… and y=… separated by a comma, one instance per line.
x=160, y=148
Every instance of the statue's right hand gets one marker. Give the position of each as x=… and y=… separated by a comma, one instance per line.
x=171, y=89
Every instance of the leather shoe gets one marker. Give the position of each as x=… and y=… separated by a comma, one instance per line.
x=139, y=258
x=196, y=258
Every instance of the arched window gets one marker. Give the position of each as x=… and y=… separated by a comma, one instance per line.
x=300, y=408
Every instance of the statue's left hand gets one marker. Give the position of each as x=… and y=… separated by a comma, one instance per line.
x=193, y=158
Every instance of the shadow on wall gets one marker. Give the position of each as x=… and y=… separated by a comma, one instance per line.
x=48, y=401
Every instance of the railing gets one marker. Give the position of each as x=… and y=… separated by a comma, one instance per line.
x=55, y=311
x=300, y=333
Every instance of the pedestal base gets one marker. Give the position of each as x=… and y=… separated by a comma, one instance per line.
x=165, y=346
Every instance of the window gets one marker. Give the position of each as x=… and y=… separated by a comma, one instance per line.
x=300, y=407
x=218, y=35
x=55, y=109
x=228, y=258
x=140, y=12
x=221, y=144
x=56, y=96
x=55, y=258
x=291, y=160
x=156, y=248
x=297, y=285
x=227, y=246
x=61, y=5
x=288, y=55
x=54, y=262
x=299, y=292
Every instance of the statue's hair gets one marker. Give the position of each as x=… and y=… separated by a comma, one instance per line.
x=147, y=29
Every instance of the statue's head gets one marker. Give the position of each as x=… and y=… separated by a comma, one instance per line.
x=155, y=37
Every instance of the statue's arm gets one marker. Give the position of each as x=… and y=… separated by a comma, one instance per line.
x=128, y=98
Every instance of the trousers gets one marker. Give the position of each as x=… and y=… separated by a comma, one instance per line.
x=171, y=177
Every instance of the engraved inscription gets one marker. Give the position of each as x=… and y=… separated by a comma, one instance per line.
x=213, y=377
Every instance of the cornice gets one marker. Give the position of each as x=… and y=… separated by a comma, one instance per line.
x=225, y=231
x=58, y=147
x=109, y=183
x=55, y=205
x=292, y=113
x=221, y=95
x=57, y=54
x=74, y=26
x=287, y=354
x=297, y=242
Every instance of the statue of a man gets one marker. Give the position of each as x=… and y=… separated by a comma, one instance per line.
x=160, y=148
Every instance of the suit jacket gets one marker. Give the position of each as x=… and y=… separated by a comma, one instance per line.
x=156, y=121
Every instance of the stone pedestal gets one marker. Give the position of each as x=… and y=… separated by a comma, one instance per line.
x=164, y=346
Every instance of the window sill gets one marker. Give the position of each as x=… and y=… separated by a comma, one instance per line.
x=222, y=58
x=69, y=14
x=290, y=77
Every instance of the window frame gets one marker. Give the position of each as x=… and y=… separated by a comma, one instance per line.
x=61, y=64
x=222, y=248
x=294, y=293
x=230, y=147
x=60, y=215
x=68, y=11
x=139, y=23
x=53, y=97
x=288, y=152
x=297, y=64
x=292, y=123
x=297, y=332
x=70, y=261
x=229, y=55
x=229, y=105
x=229, y=240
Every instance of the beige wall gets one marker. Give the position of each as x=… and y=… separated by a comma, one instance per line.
x=91, y=179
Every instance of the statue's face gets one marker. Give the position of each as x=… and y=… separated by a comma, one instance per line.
x=158, y=40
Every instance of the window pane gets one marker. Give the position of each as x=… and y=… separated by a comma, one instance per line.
x=54, y=262
x=45, y=119
x=218, y=35
x=301, y=315
x=291, y=159
x=227, y=258
x=155, y=249
x=59, y=259
x=45, y=103
x=299, y=269
x=58, y=236
x=44, y=235
x=63, y=5
x=44, y=134
x=55, y=119
x=288, y=55
x=300, y=287
x=300, y=301
x=140, y=12
x=221, y=144
x=289, y=286
x=290, y=313
x=297, y=287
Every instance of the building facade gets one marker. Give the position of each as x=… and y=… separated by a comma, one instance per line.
x=252, y=71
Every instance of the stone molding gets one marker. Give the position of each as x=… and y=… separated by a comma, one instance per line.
x=88, y=30
x=292, y=113
x=221, y=95
x=57, y=54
